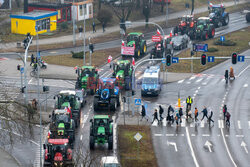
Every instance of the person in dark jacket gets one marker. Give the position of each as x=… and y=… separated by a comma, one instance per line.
x=210, y=117
x=103, y=26
x=93, y=25
x=224, y=111
x=161, y=112
x=204, y=113
x=155, y=116
x=143, y=112
x=32, y=60
x=180, y=114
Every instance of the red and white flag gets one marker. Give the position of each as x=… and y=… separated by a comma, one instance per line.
x=171, y=34
x=133, y=61
x=123, y=43
x=109, y=58
x=158, y=32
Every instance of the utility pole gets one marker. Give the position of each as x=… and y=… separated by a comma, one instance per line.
x=90, y=51
x=84, y=35
x=166, y=12
x=74, y=29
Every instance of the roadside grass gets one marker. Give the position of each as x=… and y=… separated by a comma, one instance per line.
x=98, y=58
x=129, y=154
x=242, y=39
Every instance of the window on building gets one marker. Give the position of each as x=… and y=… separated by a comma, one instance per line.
x=59, y=15
x=43, y=24
x=80, y=10
x=90, y=9
x=38, y=25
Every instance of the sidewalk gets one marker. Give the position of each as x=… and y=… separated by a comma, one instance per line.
x=7, y=160
x=69, y=38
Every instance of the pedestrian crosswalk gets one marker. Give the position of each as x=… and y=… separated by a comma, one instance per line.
x=53, y=83
x=240, y=125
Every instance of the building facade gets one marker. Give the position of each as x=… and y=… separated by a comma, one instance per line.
x=82, y=9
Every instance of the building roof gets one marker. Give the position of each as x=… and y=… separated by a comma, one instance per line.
x=49, y=5
x=34, y=15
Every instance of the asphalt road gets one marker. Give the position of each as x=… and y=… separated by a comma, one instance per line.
x=207, y=89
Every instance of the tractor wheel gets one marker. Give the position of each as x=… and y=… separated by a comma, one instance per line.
x=110, y=142
x=96, y=103
x=204, y=35
x=92, y=143
x=113, y=104
x=219, y=24
x=248, y=17
x=144, y=49
x=127, y=83
x=77, y=85
x=225, y=20
x=211, y=32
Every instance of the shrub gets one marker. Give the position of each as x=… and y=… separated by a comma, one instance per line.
x=78, y=55
x=212, y=49
x=104, y=16
x=225, y=43
x=64, y=26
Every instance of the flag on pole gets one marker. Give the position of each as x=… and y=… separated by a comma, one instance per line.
x=158, y=32
x=133, y=61
x=109, y=58
x=171, y=34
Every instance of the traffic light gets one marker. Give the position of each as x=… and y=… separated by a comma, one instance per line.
x=203, y=59
x=169, y=60
x=18, y=67
x=234, y=58
x=91, y=47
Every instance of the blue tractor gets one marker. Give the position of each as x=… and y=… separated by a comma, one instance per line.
x=218, y=16
x=108, y=95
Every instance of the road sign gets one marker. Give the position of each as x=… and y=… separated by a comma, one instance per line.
x=22, y=70
x=210, y=58
x=222, y=38
x=127, y=50
x=38, y=55
x=156, y=38
x=200, y=47
x=137, y=136
x=175, y=59
x=137, y=102
x=241, y=58
x=163, y=60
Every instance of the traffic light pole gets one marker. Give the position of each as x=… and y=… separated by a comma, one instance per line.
x=90, y=56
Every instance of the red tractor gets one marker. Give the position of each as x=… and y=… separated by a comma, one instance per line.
x=186, y=26
x=58, y=153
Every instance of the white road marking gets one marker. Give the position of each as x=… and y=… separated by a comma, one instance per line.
x=191, y=148
x=196, y=91
x=193, y=77
x=193, y=135
x=224, y=140
x=173, y=144
x=208, y=144
x=180, y=81
x=164, y=122
x=169, y=134
x=243, y=71
x=183, y=124
x=202, y=124
x=81, y=137
x=158, y=134
x=198, y=87
x=155, y=123
x=53, y=52
x=239, y=135
x=243, y=144
x=199, y=80
x=248, y=124
x=206, y=135
x=221, y=124
x=246, y=85
x=188, y=82
x=192, y=125
x=239, y=125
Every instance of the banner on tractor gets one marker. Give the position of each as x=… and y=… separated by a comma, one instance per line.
x=127, y=50
x=156, y=38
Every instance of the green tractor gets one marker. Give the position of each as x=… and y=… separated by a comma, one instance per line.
x=204, y=29
x=67, y=99
x=87, y=79
x=123, y=74
x=101, y=131
x=135, y=46
x=62, y=126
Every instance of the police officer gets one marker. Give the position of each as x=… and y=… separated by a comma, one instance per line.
x=189, y=102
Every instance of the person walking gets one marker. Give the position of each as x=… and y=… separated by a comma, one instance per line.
x=155, y=116
x=180, y=114
x=143, y=112
x=170, y=115
x=161, y=110
x=228, y=116
x=103, y=26
x=32, y=59
x=224, y=111
x=210, y=117
x=189, y=102
x=93, y=26
x=177, y=117
x=196, y=113
x=204, y=113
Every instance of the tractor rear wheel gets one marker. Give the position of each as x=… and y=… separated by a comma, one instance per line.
x=92, y=143
x=96, y=103
x=204, y=35
x=211, y=32
x=225, y=20
x=113, y=104
x=110, y=142
x=144, y=49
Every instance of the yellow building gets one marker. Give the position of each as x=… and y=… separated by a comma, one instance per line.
x=43, y=21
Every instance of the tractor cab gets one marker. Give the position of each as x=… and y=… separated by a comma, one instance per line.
x=121, y=69
x=134, y=38
x=57, y=153
x=101, y=130
x=217, y=14
x=203, y=21
x=216, y=9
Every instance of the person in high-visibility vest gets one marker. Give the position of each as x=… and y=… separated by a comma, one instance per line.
x=189, y=102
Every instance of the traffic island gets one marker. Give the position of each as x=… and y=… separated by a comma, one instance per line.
x=136, y=153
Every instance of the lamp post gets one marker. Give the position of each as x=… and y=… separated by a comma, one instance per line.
x=84, y=35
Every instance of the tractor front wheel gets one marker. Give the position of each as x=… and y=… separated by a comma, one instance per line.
x=225, y=20
x=144, y=49
x=113, y=104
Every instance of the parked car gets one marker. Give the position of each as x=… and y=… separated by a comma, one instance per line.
x=180, y=42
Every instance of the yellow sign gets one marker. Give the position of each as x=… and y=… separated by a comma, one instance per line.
x=59, y=15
